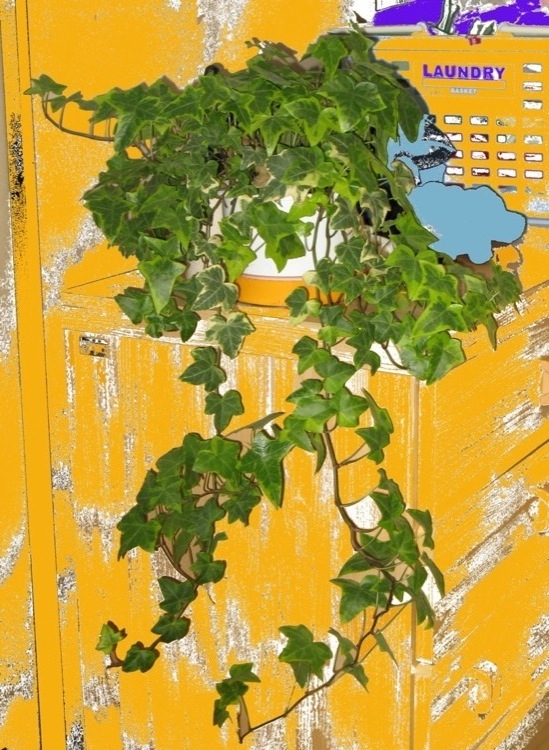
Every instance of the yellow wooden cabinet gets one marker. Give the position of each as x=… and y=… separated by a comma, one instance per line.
x=91, y=402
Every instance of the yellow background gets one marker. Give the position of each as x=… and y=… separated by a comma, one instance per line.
x=78, y=432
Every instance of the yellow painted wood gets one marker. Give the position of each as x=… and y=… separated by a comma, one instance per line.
x=473, y=449
x=30, y=666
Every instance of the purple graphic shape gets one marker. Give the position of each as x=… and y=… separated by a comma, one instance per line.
x=523, y=12
x=415, y=11
x=430, y=12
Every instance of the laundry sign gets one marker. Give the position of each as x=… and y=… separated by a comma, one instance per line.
x=464, y=72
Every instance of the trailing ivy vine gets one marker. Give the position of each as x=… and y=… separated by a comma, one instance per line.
x=197, y=175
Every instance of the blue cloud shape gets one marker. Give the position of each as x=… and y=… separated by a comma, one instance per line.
x=465, y=220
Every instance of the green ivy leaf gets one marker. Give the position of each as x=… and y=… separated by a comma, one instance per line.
x=166, y=492
x=505, y=286
x=243, y=673
x=357, y=671
x=330, y=50
x=205, y=517
x=402, y=540
x=384, y=645
x=378, y=436
x=44, y=85
x=388, y=499
x=229, y=332
x=433, y=359
x=335, y=326
x=161, y=274
x=416, y=579
x=215, y=292
x=302, y=166
x=137, y=531
x=220, y=714
x=280, y=233
x=177, y=595
x=439, y=316
x=231, y=692
x=109, y=638
x=171, y=629
x=424, y=519
x=354, y=101
x=349, y=407
x=240, y=504
x=301, y=306
x=308, y=115
x=139, y=658
x=305, y=656
x=207, y=569
x=357, y=563
x=308, y=352
x=205, y=369
x=218, y=456
x=371, y=591
x=410, y=113
x=314, y=412
x=136, y=304
x=109, y=207
x=424, y=611
x=435, y=572
x=224, y=407
x=413, y=233
x=335, y=373
x=346, y=651
x=264, y=461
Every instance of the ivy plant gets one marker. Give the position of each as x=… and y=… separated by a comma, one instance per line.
x=195, y=182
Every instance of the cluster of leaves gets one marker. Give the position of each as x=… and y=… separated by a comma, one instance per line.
x=209, y=483
x=197, y=175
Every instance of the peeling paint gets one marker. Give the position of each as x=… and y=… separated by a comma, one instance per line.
x=101, y=692
x=69, y=369
x=61, y=477
x=271, y=737
x=107, y=379
x=129, y=461
x=90, y=519
x=444, y=644
x=9, y=691
x=538, y=641
x=543, y=667
x=538, y=340
x=9, y=559
x=53, y=274
x=347, y=10
x=219, y=18
x=526, y=417
x=75, y=738
x=314, y=722
x=526, y=729
x=443, y=702
x=507, y=509
x=128, y=743
x=174, y=4
x=480, y=692
x=66, y=582
x=8, y=319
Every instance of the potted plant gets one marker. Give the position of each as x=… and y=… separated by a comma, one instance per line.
x=263, y=163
